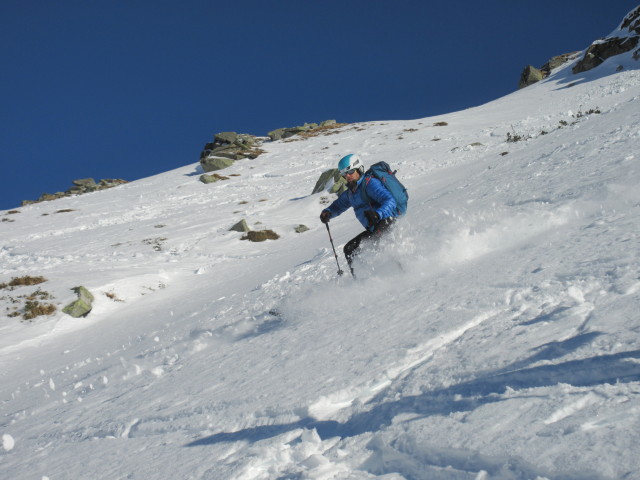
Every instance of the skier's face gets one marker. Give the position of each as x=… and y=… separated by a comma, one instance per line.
x=352, y=179
x=352, y=175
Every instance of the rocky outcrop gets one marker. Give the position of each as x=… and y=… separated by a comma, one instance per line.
x=282, y=133
x=531, y=74
x=624, y=39
x=597, y=53
x=82, y=306
x=226, y=148
x=80, y=186
x=331, y=181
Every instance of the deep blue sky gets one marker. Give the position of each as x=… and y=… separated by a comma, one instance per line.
x=131, y=88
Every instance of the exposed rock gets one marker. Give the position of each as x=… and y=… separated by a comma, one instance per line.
x=210, y=164
x=247, y=141
x=260, y=235
x=225, y=137
x=230, y=146
x=632, y=21
x=332, y=180
x=276, y=135
x=290, y=132
x=82, y=306
x=283, y=133
x=237, y=146
x=557, y=61
x=110, y=182
x=598, y=52
x=301, y=228
x=212, y=178
x=230, y=153
x=85, y=182
x=45, y=197
x=241, y=227
x=623, y=40
x=84, y=185
x=531, y=74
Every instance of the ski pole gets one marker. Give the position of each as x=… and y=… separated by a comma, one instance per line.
x=340, y=272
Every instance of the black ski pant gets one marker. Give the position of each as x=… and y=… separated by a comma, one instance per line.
x=352, y=248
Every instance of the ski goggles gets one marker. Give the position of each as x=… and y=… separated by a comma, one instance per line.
x=351, y=171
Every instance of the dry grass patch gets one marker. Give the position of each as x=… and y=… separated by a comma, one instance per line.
x=326, y=130
x=113, y=297
x=23, y=281
x=33, y=309
x=34, y=305
x=260, y=235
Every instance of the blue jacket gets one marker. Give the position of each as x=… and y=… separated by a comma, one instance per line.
x=381, y=201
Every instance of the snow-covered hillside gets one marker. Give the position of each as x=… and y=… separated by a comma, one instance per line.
x=507, y=348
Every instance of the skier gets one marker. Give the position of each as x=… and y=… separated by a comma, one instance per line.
x=376, y=216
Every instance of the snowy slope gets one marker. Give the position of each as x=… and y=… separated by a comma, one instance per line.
x=507, y=348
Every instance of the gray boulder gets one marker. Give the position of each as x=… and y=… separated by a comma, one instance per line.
x=225, y=137
x=211, y=164
x=82, y=306
x=330, y=177
x=241, y=227
x=529, y=76
x=206, y=179
x=85, y=182
x=246, y=141
x=290, y=132
x=276, y=135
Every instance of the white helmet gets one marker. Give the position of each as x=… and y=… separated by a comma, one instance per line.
x=350, y=162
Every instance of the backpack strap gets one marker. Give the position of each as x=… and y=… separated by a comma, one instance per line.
x=363, y=192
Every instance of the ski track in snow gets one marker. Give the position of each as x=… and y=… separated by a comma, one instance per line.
x=510, y=325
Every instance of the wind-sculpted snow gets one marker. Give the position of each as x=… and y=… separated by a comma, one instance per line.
x=492, y=335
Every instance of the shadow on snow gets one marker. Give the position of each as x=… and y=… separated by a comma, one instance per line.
x=463, y=397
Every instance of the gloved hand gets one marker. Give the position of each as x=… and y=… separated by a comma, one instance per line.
x=372, y=217
x=325, y=215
